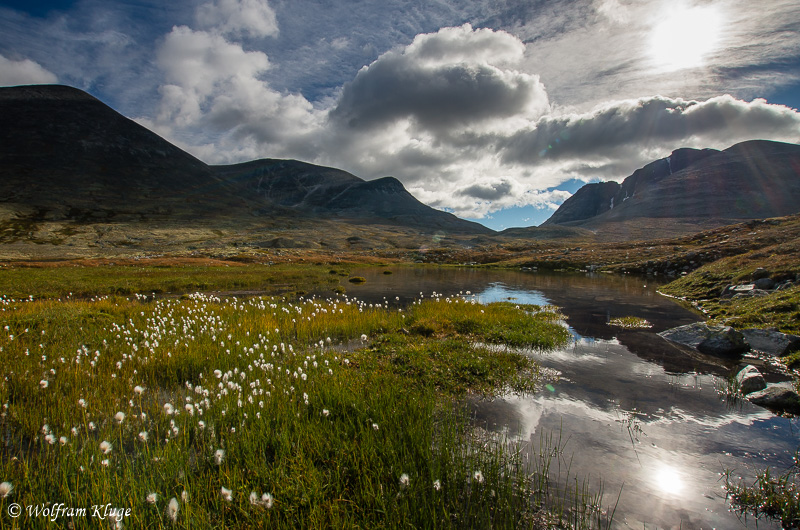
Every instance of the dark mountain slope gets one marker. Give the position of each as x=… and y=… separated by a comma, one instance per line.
x=65, y=155
x=751, y=180
x=328, y=192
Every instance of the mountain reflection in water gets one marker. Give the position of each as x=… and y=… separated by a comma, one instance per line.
x=637, y=412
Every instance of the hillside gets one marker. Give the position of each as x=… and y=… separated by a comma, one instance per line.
x=689, y=190
x=78, y=178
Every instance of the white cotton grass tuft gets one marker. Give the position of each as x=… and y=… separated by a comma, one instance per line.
x=172, y=509
x=437, y=485
x=143, y=436
x=405, y=480
x=138, y=389
x=105, y=447
x=119, y=416
x=43, y=383
x=152, y=498
x=219, y=456
x=478, y=476
x=6, y=488
x=265, y=500
x=226, y=493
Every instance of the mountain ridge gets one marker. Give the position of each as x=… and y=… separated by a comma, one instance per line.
x=69, y=156
x=754, y=179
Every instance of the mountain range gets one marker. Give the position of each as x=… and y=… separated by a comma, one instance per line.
x=701, y=187
x=77, y=177
x=67, y=156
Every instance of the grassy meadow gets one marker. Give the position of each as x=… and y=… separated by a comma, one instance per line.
x=265, y=412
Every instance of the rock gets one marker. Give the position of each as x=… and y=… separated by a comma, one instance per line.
x=766, y=284
x=750, y=380
x=722, y=341
x=752, y=293
x=760, y=273
x=780, y=397
x=771, y=342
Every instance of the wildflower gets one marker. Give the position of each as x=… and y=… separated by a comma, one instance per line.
x=267, y=500
x=92, y=426
x=104, y=462
x=120, y=417
x=82, y=402
x=50, y=439
x=375, y=426
x=5, y=489
x=478, y=476
x=172, y=509
x=226, y=493
x=105, y=447
x=43, y=383
x=326, y=412
x=201, y=425
x=152, y=498
x=143, y=436
x=63, y=440
x=405, y=480
x=363, y=338
x=169, y=409
x=254, y=500
x=138, y=389
x=437, y=484
x=219, y=456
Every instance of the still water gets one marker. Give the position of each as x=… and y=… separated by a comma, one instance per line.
x=634, y=411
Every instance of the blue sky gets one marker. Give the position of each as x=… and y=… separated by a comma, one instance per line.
x=494, y=110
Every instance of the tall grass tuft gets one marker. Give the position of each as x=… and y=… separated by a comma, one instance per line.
x=203, y=411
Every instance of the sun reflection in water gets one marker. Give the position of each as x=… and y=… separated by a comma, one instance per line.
x=668, y=480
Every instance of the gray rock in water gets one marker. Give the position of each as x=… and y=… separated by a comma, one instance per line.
x=722, y=341
x=780, y=397
x=750, y=380
x=771, y=342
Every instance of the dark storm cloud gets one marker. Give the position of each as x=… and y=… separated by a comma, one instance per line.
x=629, y=126
x=441, y=81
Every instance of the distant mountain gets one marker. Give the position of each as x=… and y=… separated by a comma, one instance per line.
x=333, y=193
x=64, y=155
x=751, y=180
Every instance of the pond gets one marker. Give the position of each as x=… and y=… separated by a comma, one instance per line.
x=632, y=410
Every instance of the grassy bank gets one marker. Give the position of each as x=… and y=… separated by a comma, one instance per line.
x=205, y=412
x=92, y=278
x=779, y=309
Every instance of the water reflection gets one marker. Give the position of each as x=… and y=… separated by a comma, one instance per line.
x=638, y=412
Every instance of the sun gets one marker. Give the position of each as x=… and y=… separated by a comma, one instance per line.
x=684, y=36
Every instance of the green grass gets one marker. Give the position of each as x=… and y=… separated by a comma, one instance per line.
x=83, y=281
x=775, y=497
x=630, y=323
x=366, y=435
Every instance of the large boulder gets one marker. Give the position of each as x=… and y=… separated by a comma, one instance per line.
x=721, y=341
x=750, y=380
x=780, y=397
x=771, y=342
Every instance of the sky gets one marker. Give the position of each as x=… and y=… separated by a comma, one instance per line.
x=494, y=110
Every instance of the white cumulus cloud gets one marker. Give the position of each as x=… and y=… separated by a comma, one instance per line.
x=253, y=18
x=24, y=72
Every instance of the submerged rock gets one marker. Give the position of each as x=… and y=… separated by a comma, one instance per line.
x=771, y=342
x=750, y=380
x=780, y=397
x=722, y=341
